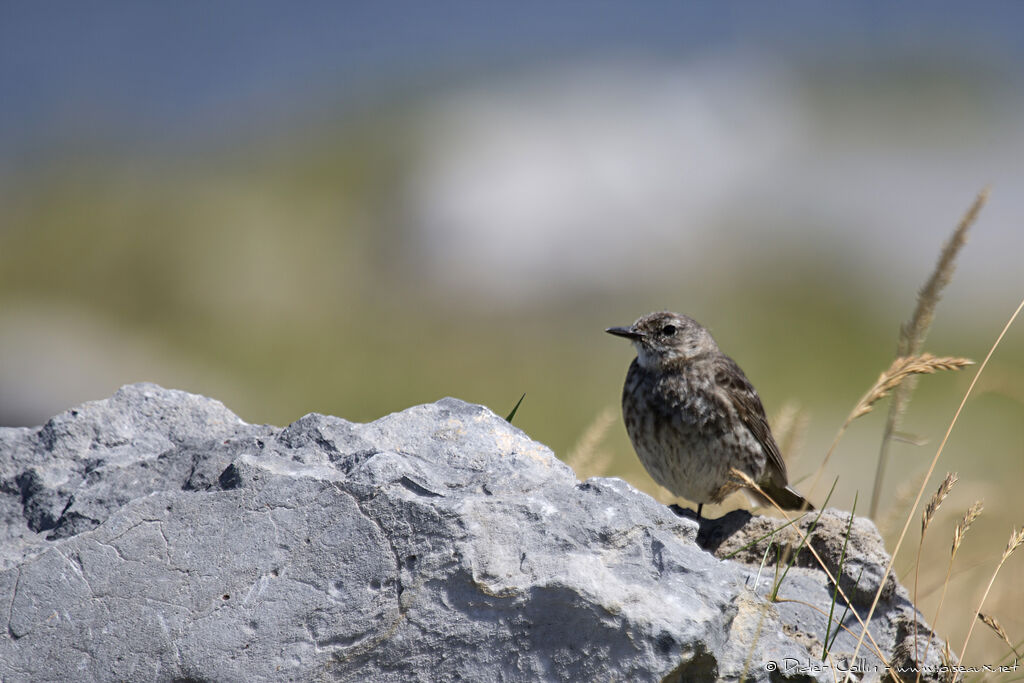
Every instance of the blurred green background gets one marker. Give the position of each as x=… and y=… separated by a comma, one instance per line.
x=351, y=208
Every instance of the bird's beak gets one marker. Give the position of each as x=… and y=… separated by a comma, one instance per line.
x=627, y=332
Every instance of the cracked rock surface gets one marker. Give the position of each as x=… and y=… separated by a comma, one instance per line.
x=155, y=536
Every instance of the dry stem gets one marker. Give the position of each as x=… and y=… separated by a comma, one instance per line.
x=931, y=468
x=914, y=331
x=901, y=368
x=747, y=481
x=1016, y=540
x=585, y=458
x=929, y=512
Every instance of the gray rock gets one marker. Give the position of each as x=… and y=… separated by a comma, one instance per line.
x=155, y=536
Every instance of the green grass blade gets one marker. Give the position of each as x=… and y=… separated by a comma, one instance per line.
x=810, y=530
x=846, y=610
x=515, y=408
x=835, y=593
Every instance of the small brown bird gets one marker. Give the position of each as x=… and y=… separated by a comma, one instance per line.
x=692, y=415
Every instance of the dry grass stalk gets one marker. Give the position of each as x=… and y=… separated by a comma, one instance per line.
x=998, y=628
x=585, y=457
x=914, y=331
x=962, y=526
x=901, y=368
x=926, y=517
x=744, y=479
x=839, y=625
x=931, y=468
x=947, y=655
x=933, y=505
x=912, y=439
x=900, y=501
x=789, y=427
x=1016, y=541
x=1007, y=382
x=784, y=418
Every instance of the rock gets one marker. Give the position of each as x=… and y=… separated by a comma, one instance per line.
x=859, y=562
x=156, y=536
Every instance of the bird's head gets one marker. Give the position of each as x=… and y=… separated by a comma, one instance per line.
x=664, y=339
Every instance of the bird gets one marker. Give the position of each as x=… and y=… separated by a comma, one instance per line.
x=692, y=415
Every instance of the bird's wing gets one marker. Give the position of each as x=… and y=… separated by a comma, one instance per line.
x=740, y=393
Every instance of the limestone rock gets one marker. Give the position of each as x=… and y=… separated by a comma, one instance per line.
x=155, y=536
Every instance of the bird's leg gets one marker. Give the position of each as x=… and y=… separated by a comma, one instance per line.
x=700, y=506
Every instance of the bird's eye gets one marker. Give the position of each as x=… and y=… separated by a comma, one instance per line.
x=668, y=330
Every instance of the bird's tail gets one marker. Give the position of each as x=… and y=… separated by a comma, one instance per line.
x=786, y=497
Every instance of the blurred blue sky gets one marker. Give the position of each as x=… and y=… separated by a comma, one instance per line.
x=477, y=158
x=129, y=73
